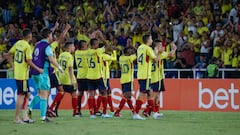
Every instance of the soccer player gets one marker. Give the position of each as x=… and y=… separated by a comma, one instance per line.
x=54, y=80
x=22, y=59
x=127, y=70
x=82, y=68
x=145, y=56
x=157, y=77
x=43, y=56
x=67, y=78
x=95, y=80
x=106, y=59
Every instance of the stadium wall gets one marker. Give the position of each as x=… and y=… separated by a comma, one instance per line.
x=181, y=94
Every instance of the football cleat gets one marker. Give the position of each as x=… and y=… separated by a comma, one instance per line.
x=106, y=116
x=92, y=117
x=146, y=114
x=138, y=117
x=156, y=115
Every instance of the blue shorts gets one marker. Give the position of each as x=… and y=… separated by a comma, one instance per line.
x=162, y=88
x=22, y=87
x=42, y=81
x=82, y=84
x=127, y=87
x=69, y=88
x=144, y=85
x=54, y=81
x=96, y=84
x=155, y=86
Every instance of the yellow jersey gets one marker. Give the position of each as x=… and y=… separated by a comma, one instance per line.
x=93, y=59
x=226, y=56
x=158, y=68
x=66, y=61
x=22, y=52
x=81, y=63
x=54, y=45
x=127, y=68
x=235, y=61
x=217, y=52
x=145, y=55
x=105, y=63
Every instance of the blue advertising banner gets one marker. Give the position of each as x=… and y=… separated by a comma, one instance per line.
x=8, y=93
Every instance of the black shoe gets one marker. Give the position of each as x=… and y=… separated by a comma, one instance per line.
x=98, y=113
x=30, y=121
x=80, y=113
x=51, y=113
x=46, y=120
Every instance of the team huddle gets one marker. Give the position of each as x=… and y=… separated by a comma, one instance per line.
x=92, y=62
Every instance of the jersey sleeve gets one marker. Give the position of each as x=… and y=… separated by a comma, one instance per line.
x=13, y=49
x=28, y=53
x=133, y=57
x=112, y=57
x=164, y=55
x=151, y=53
x=49, y=51
x=100, y=50
x=70, y=61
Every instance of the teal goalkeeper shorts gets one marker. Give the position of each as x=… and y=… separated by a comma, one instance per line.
x=42, y=81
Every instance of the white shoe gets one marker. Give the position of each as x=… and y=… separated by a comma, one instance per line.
x=138, y=117
x=92, y=117
x=106, y=116
x=157, y=115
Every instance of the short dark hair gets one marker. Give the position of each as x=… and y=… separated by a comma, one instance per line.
x=45, y=32
x=92, y=41
x=26, y=32
x=67, y=44
x=145, y=38
x=155, y=42
x=80, y=43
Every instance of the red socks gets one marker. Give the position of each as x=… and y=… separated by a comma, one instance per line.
x=99, y=100
x=75, y=105
x=130, y=105
x=122, y=103
x=57, y=98
x=110, y=103
x=91, y=103
x=104, y=102
x=151, y=105
x=157, y=106
x=138, y=105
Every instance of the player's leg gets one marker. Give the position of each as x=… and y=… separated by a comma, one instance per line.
x=44, y=93
x=82, y=86
x=109, y=96
x=91, y=94
x=103, y=93
x=55, y=82
x=19, y=102
x=25, y=117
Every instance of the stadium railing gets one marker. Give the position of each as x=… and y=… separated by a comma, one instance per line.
x=169, y=73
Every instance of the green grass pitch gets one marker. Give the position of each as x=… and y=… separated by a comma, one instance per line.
x=173, y=123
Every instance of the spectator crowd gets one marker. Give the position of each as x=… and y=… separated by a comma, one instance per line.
x=205, y=32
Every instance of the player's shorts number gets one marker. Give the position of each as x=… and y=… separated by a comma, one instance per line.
x=19, y=56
